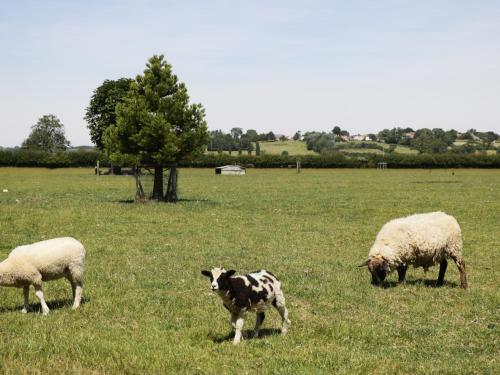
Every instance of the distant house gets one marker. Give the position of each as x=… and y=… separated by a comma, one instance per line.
x=409, y=135
x=475, y=137
x=230, y=170
x=360, y=137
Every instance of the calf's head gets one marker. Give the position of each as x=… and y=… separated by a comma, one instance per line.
x=219, y=278
x=378, y=267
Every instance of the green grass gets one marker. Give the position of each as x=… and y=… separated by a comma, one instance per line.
x=300, y=148
x=293, y=148
x=149, y=310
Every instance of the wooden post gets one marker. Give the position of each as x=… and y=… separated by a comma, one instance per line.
x=298, y=166
x=97, y=172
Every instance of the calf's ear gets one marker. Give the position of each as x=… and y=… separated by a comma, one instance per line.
x=230, y=273
x=206, y=273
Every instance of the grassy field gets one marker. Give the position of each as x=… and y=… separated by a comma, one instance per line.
x=293, y=148
x=149, y=310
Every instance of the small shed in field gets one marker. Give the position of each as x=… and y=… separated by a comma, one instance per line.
x=230, y=170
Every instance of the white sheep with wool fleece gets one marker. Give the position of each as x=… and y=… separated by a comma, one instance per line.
x=421, y=240
x=43, y=261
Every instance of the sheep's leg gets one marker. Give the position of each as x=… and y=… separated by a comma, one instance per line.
x=76, y=288
x=442, y=271
x=26, y=293
x=73, y=290
x=238, y=328
x=39, y=294
x=77, y=294
x=461, y=268
x=402, y=273
x=258, y=323
x=279, y=303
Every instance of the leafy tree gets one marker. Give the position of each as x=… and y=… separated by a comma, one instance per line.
x=489, y=136
x=326, y=142
x=297, y=136
x=157, y=126
x=320, y=142
x=310, y=138
x=450, y=136
x=336, y=130
x=252, y=135
x=270, y=136
x=101, y=112
x=429, y=141
x=47, y=135
x=372, y=137
x=392, y=136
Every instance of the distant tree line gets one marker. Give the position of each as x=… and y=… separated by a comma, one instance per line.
x=437, y=140
x=32, y=158
x=238, y=141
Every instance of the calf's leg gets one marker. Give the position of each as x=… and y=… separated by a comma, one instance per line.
x=279, y=303
x=238, y=327
x=258, y=323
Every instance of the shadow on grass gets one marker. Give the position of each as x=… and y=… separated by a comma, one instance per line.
x=264, y=332
x=53, y=305
x=427, y=283
x=437, y=182
x=207, y=202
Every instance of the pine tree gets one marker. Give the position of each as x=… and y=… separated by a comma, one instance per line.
x=157, y=125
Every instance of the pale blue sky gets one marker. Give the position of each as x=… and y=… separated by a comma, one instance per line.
x=267, y=65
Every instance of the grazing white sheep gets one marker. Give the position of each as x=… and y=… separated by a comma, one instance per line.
x=255, y=291
x=421, y=240
x=43, y=261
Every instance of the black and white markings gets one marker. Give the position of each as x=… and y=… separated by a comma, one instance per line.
x=256, y=292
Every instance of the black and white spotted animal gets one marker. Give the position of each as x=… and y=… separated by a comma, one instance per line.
x=255, y=291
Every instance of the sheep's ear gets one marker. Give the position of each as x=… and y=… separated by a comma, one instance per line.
x=365, y=263
x=206, y=273
x=230, y=273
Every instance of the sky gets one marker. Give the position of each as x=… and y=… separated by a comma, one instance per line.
x=277, y=65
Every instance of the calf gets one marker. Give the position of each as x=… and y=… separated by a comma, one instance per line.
x=255, y=291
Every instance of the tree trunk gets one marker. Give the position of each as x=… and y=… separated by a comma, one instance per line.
x=171, y=195
x=158, y=184
x=139, y=191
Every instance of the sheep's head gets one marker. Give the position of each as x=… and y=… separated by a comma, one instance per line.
x=219, y=278
x=378, y=267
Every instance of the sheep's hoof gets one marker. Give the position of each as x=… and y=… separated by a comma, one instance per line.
x=24, y=310
x=236, y=342
x=45, y=312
